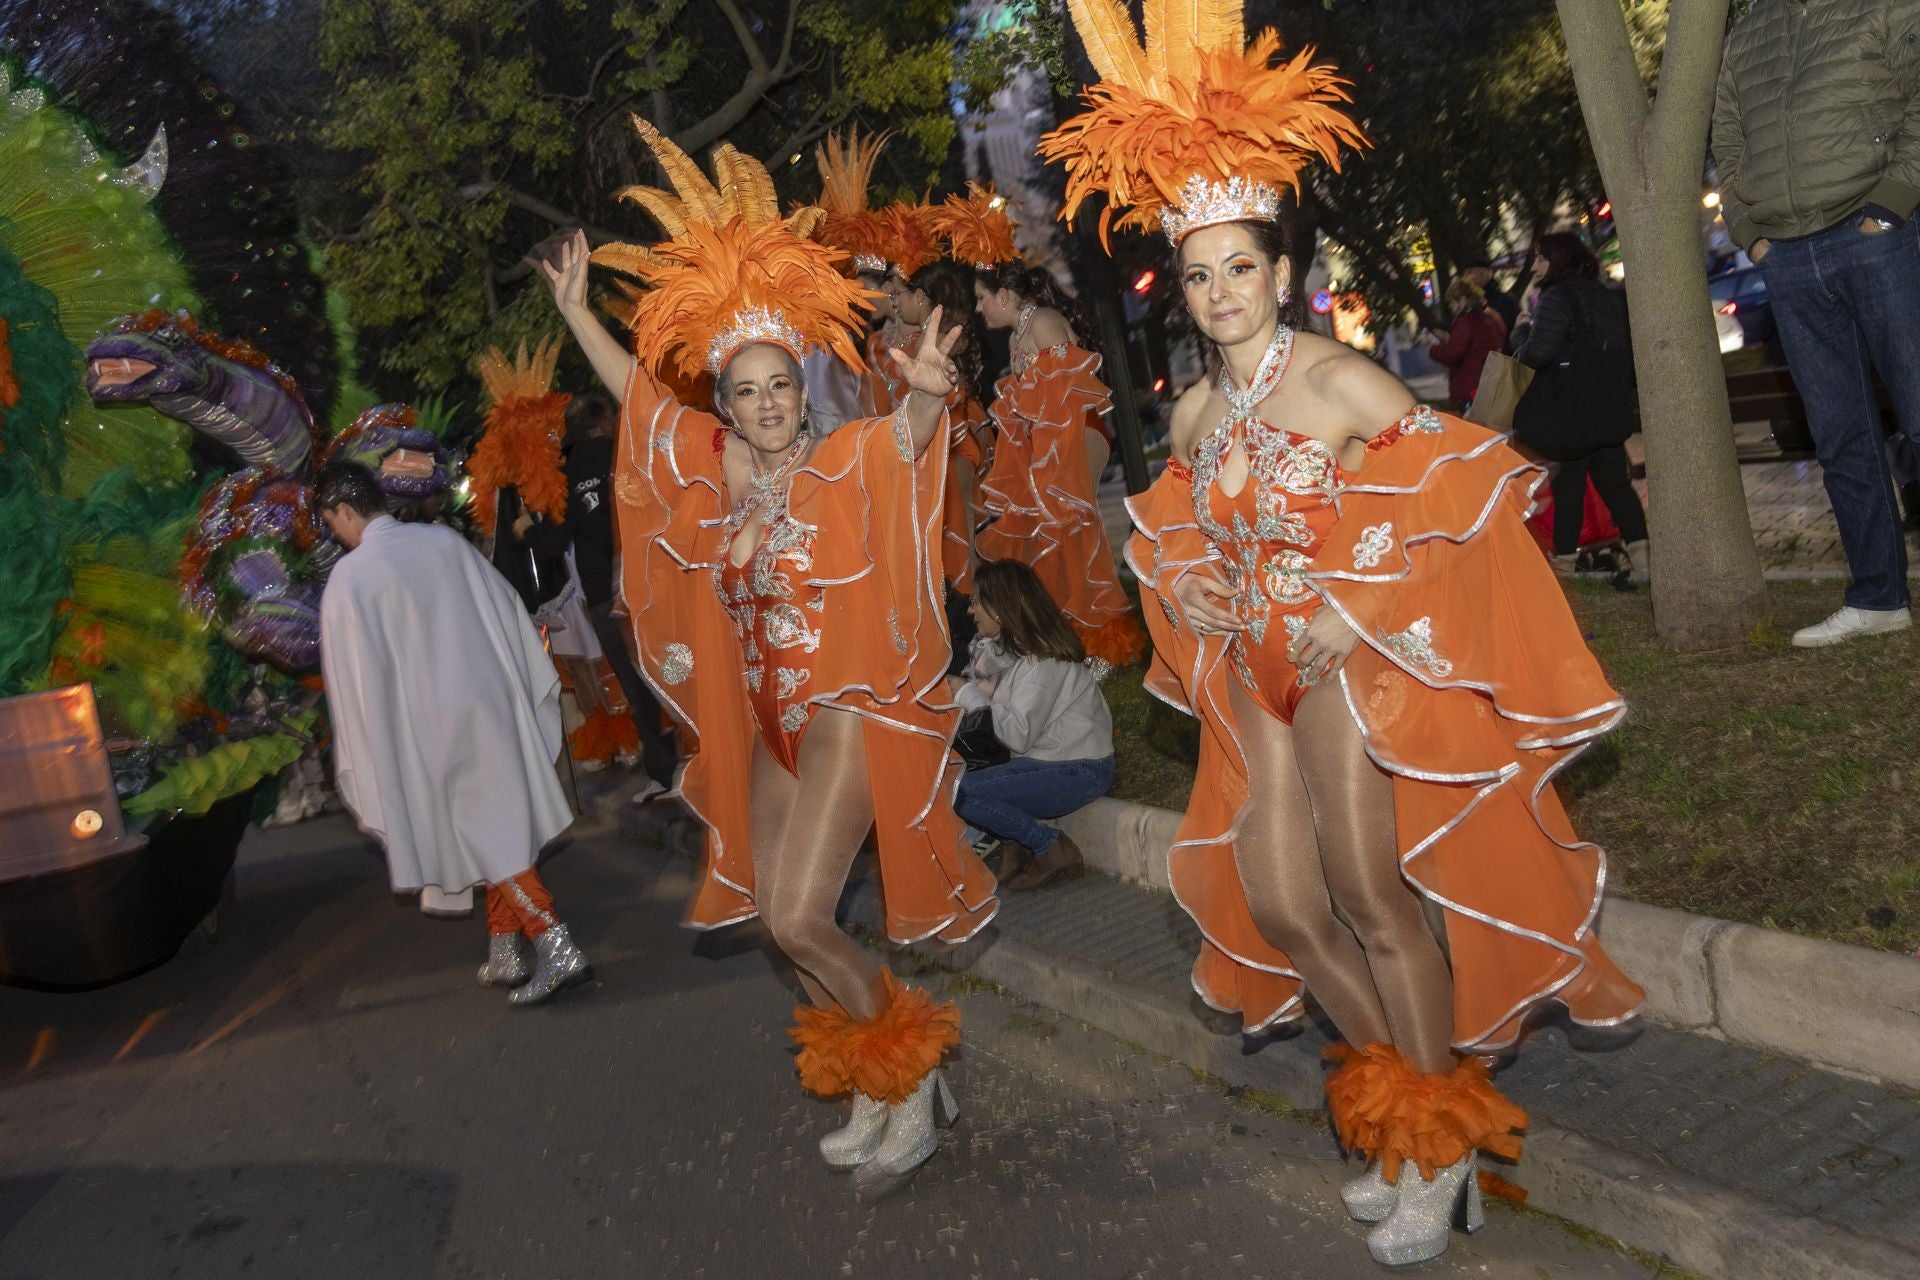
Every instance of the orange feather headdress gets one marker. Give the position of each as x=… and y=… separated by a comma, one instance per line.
x=521, y=445
x=977, y=227
x=911, y=242
x=846, y=170
x=732, y=272
x=1195, y=127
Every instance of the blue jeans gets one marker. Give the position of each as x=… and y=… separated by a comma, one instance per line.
x=1848, y=303
x=1009, y=799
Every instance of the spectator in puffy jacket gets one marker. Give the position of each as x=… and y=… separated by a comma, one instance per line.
x=1816, y=135
x=1048, y=711
x=1477, y=332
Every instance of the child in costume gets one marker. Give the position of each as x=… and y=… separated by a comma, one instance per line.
x=786, y=597
x=1385, y=670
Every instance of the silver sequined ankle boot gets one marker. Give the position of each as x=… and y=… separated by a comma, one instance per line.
x=506, y=964
x=1369, y=1197
x=560, y=965
x=853, y=1144
x=1423, y=1211
x=910, y=1140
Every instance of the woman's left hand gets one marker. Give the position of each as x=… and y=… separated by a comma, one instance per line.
x=930, y=370
x=1322, y=648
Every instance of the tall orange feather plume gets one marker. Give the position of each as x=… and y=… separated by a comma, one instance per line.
x=977, y=227
x=911, y=242
x=846, y=165
x=1192, y=102
x=521, y=444
x=732, y=271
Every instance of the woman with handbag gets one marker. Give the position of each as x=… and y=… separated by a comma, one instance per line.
x=1477, y=332
x=1578, y=411
x=1030, y=676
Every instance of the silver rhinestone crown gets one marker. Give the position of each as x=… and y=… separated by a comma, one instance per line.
x=1206, y=204
x=750, y=325
x=868, y=262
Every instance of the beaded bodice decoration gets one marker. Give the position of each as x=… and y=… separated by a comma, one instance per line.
x=1021, y=361
x=777, y=628
x=1267, y=533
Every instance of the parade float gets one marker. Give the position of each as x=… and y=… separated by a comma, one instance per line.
x=159, y=591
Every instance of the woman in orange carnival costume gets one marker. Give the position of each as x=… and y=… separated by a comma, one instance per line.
x=1051, y=445
x=1386, y=673
x=786, y=597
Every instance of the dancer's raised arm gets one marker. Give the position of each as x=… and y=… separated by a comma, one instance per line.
x=566, y=273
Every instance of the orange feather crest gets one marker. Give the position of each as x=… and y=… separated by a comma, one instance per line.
x=1191, y=129
x=732, y=272
x=977, y=227
x=911, y=242
x=521, y=444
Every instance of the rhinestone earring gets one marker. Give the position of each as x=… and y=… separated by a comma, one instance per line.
x=1284, y=296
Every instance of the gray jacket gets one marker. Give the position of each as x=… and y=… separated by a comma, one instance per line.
x=1817, y=114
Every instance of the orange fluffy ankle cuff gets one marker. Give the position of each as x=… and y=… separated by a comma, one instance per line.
x=885, y=1056
x=1386, y=1110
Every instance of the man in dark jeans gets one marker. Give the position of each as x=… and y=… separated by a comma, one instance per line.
x=1816, y=134
x=592, y=418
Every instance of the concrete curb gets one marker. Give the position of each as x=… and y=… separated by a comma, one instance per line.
x=1700, y=1226
x=1845, y=1008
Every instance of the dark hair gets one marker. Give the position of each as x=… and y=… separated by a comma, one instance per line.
x=1033, y=284
x=949, y=286
x=589, y=412
x=1567, y=258
x=1272, y=240
x=348, y=484
x=1031, y=624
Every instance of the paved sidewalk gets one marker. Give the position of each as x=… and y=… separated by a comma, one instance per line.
x=1728, y=1161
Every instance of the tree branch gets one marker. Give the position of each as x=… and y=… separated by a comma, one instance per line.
x=1613, y=100
x=760, y=80
x=539, y=208
x=1682, y=112
x=756, y=57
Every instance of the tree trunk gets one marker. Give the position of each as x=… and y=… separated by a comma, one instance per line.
x=1708, y=591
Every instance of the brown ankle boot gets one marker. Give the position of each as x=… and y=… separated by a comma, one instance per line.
x=1061, y=862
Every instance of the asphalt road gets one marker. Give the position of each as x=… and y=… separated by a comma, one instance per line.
x=327, y=1093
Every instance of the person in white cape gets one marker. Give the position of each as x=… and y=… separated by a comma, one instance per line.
x=446, y=725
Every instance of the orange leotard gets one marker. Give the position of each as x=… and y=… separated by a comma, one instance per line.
x=1472, y=689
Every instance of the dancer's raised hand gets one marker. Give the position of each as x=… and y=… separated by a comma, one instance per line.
x=566, y=272
x=931, y=370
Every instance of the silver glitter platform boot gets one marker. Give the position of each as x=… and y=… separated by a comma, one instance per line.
x=1369, y=1197
x=506, y=964
x=910, y=1140
x=560, y=965
x=1423, y=1211
x=853, y=1144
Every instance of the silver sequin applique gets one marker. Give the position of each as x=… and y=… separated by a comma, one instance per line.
x=678, y=665
x=1375, y=541
x=1414, y=646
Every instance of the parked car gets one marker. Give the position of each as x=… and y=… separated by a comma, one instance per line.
x=1741, y=312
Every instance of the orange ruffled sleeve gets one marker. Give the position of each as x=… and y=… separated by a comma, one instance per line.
x=1474, y=687
x=883, y=654
x=1046, y=512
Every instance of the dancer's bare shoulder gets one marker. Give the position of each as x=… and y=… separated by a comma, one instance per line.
x=1196, y=411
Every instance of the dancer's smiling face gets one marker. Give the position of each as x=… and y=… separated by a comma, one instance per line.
x=1232, y=284
x=762, y=395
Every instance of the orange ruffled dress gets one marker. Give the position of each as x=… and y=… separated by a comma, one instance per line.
x=1473, y=689
x=972, y=429
x=1042, y=500
x=842, y=606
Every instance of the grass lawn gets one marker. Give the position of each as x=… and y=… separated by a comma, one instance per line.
x=1769, y=784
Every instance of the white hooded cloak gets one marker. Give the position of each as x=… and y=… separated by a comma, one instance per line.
x=445, y=709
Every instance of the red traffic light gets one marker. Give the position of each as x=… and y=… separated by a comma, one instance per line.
x=1143, y=282
x=1605, y=210
x=1159, y=384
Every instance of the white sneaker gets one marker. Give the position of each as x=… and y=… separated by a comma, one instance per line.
x=648, y=794
x=1848, y=623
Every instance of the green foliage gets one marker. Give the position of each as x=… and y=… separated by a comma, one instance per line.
x=477, y=130
x=1009, y=38
x=195, y=783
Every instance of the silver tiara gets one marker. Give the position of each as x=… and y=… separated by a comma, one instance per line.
x=869, y=262
x=1207, y=204
x=748, y=326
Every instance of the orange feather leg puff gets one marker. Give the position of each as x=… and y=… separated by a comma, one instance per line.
x=840, y=609
x=1471, y=687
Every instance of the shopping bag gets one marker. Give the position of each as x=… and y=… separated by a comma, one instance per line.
x=1503, y=380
